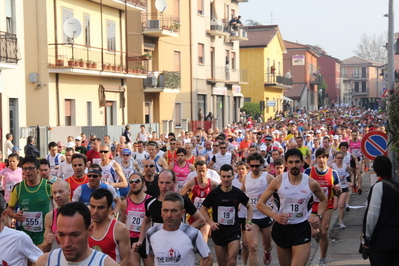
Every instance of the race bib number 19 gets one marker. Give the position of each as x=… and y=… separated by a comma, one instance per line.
x=226, y=215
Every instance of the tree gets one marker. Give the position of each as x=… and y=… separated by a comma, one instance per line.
x=250, y=22
x=372, y=47
x=251, y=108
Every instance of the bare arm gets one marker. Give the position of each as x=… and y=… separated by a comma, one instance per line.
x=187, y=187
x=263, y=208
x=163, y=163
x=123, y=240
x=48, y=234
x=191, y=167
x=243, y=183
x=122, y=211
x=122, y=180
x=143, y=232
x=207, y=261
x=199, y=220
x=117, y=201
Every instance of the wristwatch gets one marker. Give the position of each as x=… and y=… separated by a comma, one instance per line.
x=320, y=216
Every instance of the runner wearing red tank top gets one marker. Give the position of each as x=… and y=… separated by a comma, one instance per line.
x=109, y=236
x=181, y=168
x=132, y=214
x=197, y=189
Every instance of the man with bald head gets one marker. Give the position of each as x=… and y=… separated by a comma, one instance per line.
x=150, y=178
x=60, y=191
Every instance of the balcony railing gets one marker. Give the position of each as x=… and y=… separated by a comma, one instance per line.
x=220, y=73
x=360, y=75
x=241, y=33
x=157, y=21
x=92, y=58
x=9, y=52
x=274, y=79
x=315, y=78
x=344, y=75
x=124, y=4
x=167, y=79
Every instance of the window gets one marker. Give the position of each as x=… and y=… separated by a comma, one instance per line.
x=200, y=7
x=201, y=101
x=360, y=72
x=233, y=13
x=10, y=16
x=343, y=72
x=178, y=114
x=201, y=54
x=176, y=10
x=227, y=57
x=176, y=61
x=86, y=18
x=147, y=113
x=111, y=35
x=110, y=113
x=89, y=114
x=233, y=60
x=66, y=13
x=69, y=112
x=361, y=87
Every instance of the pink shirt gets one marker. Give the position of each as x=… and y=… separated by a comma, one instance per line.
x=10, y=179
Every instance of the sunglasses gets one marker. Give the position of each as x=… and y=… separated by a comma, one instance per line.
x=104, y=151
x=339, y=158
x=172, y=143
x=149, y=165
x=93, y=176
x=254, y=165
x=222, y=148
x=215, y=145
x=126, y=155
x=131, y=181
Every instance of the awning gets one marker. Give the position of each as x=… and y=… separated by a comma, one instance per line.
x=111, y=88
x=287, y=99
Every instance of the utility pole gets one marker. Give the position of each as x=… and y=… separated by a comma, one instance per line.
x=391, y=73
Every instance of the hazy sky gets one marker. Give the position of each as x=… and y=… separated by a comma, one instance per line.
x=335, y=25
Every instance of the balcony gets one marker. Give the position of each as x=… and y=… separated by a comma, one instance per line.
x=228, y=76
x=360, y=91
x=316, y=79
x=218, y=28
x=9, y=53
x=91, y=61
x=167, y=81
x=240, y=34
x=158, y=24
x=240, y=1
x=278, y=82
x=360, y=76
x=131, y=5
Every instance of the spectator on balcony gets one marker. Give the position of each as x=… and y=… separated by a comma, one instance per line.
x=288, y=74
x=234, y=23
x=200, y=115
x=210, y=116
x=227, y=69
x=273, y=73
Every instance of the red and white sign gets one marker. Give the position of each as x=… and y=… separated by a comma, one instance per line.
x=374, y=143
x=385, y=93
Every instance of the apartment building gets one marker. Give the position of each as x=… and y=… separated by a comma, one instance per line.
x=12, y=74
x=216, y=74
x=330, y=69
x=79, y=63
x=262, y=56
x=302, y=62
x=362, y=81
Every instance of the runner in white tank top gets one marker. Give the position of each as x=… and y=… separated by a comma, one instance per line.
x=254, y=184
x=292, y=230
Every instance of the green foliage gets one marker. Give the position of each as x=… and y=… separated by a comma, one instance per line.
x=323, y=86
x=393, y=125
x=251, y=108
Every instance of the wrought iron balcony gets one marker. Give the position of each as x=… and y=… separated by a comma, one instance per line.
x=167, y=81
x=272, y=80
x=157, y=24
x=9, y=52
x=84, y=60
x=316, y=79
x=218, y=27
x=130, y=5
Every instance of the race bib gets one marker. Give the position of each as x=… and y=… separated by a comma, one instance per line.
x=97, y=161
x=53, y=172
x=33, y=221
x=135, y=219
x=294, y=208
x=253, y=199
x=179, y=185
x=198, y=202
x=226, y=215
x=325, y=191
x=10, y=185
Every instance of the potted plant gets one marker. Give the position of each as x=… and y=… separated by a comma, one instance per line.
x=108, y=66
x=165, y=27
x=146, y=56
x=88, y=64
x=71, y=62
x=119, y=68
x=59, y=62
x=176, y=27
x=93, y=65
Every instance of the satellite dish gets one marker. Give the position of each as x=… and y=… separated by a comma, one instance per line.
x=72, y=28
x=161, y=5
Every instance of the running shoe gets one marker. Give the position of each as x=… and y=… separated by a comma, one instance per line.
x=267, y=258
x=341, y=225
x=322, y=262
x=347, y=208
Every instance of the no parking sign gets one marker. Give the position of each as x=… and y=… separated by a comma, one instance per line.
x=374, y=143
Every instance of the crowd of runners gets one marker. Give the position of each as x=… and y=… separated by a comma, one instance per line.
x=158, y=200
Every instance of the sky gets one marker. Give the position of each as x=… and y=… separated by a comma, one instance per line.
x=334, y=25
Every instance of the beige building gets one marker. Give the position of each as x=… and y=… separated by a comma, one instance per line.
x=12, y=74
x=215, y=65
x=79, y=63
x=164, y=96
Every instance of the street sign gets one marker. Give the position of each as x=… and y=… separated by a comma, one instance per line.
x=271, y=103
x=374, y=143
x=384, y=93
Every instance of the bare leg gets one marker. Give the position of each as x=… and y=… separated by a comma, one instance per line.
x=325, y=224
x=285, y=256
x=341, y=205
x=300, y=254
x=232, y=250
x=253, y=239
x=221, y=255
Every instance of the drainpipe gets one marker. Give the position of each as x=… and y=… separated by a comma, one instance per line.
x=102, y=37
x=57, y=75
x=191, y=63
x=57, y=91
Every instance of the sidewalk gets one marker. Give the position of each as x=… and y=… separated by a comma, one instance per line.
x=344, y=243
